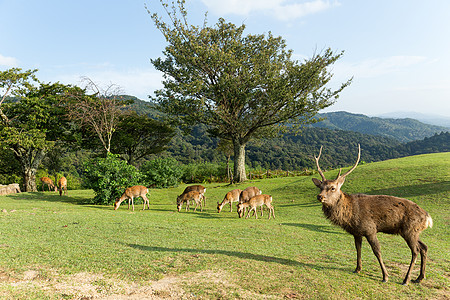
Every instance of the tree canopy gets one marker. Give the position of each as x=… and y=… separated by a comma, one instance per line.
x=240, y=86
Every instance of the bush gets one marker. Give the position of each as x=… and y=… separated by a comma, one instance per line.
x=162, y=172
x=204, y=172
x=109, y=177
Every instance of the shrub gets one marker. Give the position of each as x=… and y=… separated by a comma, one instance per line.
x=109, y=177
x=202, y=172
x=162, y=172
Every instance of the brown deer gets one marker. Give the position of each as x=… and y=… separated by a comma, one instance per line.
x=186, y=197
x=365, y=215
x=246, y=195
x=131, y=193
x=254, y=202
x=198, y=188
x=62, y=185
x=49, y=183
x=230, y=197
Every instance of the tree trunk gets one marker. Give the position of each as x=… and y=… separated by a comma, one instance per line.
x=239, y=161
x=29, y=161
x=29, y=179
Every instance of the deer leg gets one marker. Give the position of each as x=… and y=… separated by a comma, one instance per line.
x=358, y=242
x=146, y=201
x=250, y=210
x=413, y=243
x=196, y=204
x=132, y=202
x=375, y=244
x=261, y=210
x=423, y=260
x=129, y=200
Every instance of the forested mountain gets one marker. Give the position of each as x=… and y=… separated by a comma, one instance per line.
x=403, y=130
x=380, y=139
x=295, y=152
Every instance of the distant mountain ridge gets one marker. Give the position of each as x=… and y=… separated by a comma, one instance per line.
x=432, y=119
x=403, y=130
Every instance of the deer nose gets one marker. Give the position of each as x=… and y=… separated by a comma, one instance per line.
x=320, y=198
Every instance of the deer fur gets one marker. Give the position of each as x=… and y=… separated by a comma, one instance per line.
x=47, y=181
x=230, y=197
x=186, y=197
x=364, y=215
x=131, y=193
x=62, y=185
x=198, y=188
x=246, y=194
x=254, y=202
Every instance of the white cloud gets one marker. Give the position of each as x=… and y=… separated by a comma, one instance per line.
x=8, y=61
x=281, y=9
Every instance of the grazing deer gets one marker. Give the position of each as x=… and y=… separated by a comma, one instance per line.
x=62, y=184
x=198, y=188
x=186, y=197
x=49, y=183
x=131, y=193
x=246, y=195
x=365, y=215
x=254, y=202
x=230, y=197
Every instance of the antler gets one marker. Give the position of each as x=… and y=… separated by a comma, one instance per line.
x=317, y=164
x=354, y=167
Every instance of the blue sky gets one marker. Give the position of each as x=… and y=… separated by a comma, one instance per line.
x=397, y=51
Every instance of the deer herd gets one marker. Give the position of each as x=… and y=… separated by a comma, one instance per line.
x=360, y=215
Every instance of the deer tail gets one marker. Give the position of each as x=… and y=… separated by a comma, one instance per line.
x=429, y=221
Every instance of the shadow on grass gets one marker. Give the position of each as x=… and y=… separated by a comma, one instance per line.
x=414, y=190
x=50, y=197
x=242, y=255
x=317, y=228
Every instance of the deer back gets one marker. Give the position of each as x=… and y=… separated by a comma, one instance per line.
x=198, y=188
x=249, y=193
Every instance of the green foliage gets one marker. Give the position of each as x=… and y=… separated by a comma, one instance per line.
x=109, y=177
x=138, y=136
x=161, y=172
x=204, y=172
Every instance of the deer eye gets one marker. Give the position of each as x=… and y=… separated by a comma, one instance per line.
x=333, y=189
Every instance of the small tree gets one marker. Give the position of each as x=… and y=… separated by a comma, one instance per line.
x=109, y=177
x=242, y=87
x=98, y=109
x=138, y=136
x=162, y=172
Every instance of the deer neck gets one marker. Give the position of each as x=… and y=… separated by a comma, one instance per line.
x=341, y=212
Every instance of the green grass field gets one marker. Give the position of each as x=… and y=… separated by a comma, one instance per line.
x=54, y=247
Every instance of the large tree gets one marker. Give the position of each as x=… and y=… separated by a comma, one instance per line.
x=241, y=86
x=32, y=122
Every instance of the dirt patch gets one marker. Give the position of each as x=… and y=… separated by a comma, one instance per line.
x=97, y=286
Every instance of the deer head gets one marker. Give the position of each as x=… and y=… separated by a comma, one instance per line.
x=330, y=190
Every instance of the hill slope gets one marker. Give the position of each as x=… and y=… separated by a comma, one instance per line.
x=403, y=130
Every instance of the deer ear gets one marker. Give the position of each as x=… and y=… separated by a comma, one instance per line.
x=340, y=181
x=317, y=182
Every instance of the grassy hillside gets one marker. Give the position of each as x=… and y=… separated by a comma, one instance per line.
x=53, y=247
